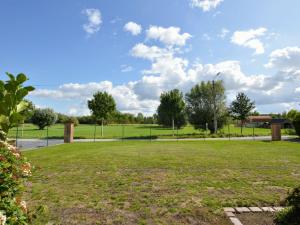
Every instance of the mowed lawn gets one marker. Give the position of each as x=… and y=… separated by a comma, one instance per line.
x=129, y=131
x=158, y=182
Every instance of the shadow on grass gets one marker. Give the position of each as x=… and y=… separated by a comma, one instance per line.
x=140, y=137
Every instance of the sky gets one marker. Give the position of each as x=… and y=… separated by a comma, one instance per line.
x=135, y=50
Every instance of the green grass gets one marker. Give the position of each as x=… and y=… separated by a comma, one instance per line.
x=158, y=182
x=129, y=131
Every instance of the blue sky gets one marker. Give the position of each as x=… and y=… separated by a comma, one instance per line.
x=70, y=49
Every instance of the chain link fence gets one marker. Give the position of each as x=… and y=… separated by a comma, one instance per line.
x=29, y=136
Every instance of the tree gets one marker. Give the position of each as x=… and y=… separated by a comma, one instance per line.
x=140, y=118
x=28, y=112
x=291, y=115
x=102, y=106
x=71, y=119
x=43, y=118
x=171, y=111
x=61, y=118
x=241, y=108
x=12, y=103
x=296, y=123
x=200, y=105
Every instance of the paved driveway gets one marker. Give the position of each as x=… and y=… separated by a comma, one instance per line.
x=27, y=144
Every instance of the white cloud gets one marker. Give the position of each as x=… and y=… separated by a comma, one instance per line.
x=249, y=39
x=133, y=28
x=170, y=70
x=205, y=5
x=169, y=36
x=94, y=21
x=285, y=59
x=126, y=68
x=143, y=51
x=224, y=33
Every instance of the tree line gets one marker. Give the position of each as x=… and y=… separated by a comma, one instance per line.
x=204, y=107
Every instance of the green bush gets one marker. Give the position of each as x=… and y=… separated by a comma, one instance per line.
x=290, y=215
x=296, y=123
x=13, y=171
x=43, y=118
x=72, y=119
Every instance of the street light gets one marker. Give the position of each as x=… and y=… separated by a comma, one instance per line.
x=214, y=103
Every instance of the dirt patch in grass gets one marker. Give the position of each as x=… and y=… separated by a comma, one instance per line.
x=256, y=218
x=89, y=216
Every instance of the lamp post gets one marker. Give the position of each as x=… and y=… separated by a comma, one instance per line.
x=214, y=103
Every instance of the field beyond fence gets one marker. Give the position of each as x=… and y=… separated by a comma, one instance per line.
x=136, y=131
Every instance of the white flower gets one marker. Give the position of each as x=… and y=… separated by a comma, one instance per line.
x=26, y=169
x=23, y=206
x=2, y=218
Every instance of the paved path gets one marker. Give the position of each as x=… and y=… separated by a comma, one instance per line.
x=27, y=144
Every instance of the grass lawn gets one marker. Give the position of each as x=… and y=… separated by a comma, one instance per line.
x=128, y=131
x=158, y=182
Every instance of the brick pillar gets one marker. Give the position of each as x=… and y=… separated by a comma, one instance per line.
x=276, y=131
x=69, y=133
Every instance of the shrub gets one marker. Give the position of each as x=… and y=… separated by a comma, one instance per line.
x=13, y=171
x=44, y=117
x=291, y=215
x=86, y=120
x=72, y=119
x=296, y=123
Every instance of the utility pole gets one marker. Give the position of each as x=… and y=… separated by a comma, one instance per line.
x=215, y=104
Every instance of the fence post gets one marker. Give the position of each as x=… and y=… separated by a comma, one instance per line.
x=229, y=131
x=95, y=132
x=17, y=131
x=47, y=136
x=253, y=133
x=123, y=132
x=69, y=133
x=150, y=134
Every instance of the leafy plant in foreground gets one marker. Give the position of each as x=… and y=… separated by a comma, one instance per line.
x=290, y=215
x=13, y=167
x=12, y=103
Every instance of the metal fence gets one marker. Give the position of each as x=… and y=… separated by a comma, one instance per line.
x=28, y=136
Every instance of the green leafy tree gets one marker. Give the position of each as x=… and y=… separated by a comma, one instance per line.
x=171, y=111
x=102, y=106
x=43, y=118
x=28, y=112
x=200, y=105
x=140, y=118
x=12, y=103
x=241, y=108
x=71, y=119
x=296, y=123
x=61, y=118
x=291, y=115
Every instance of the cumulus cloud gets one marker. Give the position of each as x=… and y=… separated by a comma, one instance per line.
x=151, y=53
x=168, y=72
x=169, y=36
x=285, y=59
x=205, y=5
x=133, y=28
x=94, y=21
x=250, y=39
